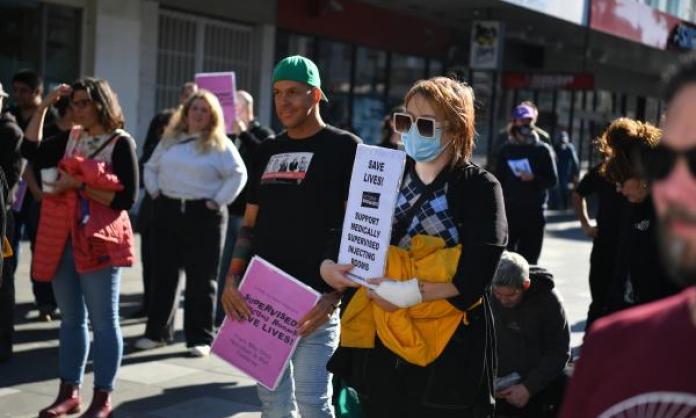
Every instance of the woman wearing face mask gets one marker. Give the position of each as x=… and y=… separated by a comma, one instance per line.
x=193, y=174
x=97, y=182
x=421, y=343
x=526, y=169
x=638, y=275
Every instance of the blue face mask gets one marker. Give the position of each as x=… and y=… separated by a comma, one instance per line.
x=420, y=148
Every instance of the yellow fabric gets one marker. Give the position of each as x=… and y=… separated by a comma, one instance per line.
x=6, y=248
x=420, y=333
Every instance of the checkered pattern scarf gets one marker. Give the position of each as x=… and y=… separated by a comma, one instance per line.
x=433, y=218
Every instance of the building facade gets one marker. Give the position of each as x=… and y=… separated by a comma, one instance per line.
x=583, y=62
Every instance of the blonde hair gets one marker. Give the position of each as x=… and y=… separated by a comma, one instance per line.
x=212, y=138
x=454, y=100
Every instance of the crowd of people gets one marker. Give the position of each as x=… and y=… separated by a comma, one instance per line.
x=491, y=333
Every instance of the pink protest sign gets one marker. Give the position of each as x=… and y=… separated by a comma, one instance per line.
x=223, y=86
x=18, y=199
x=262, y=346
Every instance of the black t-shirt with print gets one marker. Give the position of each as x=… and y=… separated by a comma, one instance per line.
x=639, y=276
x=300, y=186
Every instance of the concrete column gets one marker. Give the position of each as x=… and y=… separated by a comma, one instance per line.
x=117, y=52
x=148, y=67
x=264, y=108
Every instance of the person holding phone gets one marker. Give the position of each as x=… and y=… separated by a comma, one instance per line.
x=453, y=209
x=532, y=336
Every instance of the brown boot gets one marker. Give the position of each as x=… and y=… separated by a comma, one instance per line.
x=100, y=406
x=67, y=402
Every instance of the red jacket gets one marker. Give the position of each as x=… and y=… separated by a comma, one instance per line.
x=101, y=236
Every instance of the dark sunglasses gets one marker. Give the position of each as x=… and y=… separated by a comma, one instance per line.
x=657, y=163
x=426, y=125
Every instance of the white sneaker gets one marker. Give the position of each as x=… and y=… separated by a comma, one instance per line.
x=145, y=343
x=200, y=351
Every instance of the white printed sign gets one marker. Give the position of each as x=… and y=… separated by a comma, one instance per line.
x=374, y=187
x=520, y=166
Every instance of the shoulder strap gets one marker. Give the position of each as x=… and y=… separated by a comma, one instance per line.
x=401, y=227
x=106, y=143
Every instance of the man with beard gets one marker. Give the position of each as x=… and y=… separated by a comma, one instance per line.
x=640, y=362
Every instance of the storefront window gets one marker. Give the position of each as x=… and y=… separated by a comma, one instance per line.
x=436, y=68
x=51, y=47
x=563, y=105
x=630, y=106
x=334, y=62
x=604, y=104
x=547, y=118
x=355, y=79
x=405, y=70
x=63, y=44
x=368, y=94
x=651, y=115
x=289, y=44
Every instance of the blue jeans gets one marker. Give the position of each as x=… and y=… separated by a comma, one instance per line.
x=305, y=389
x=78, y=295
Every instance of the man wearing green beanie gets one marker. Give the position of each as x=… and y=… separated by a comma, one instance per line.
x=298, y=186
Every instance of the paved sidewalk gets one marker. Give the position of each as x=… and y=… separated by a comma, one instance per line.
x=165, y=383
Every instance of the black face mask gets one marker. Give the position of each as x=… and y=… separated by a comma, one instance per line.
x=523, y=134
x=525, y=130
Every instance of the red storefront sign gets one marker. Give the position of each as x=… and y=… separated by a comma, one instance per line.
x=362, y=23
x=634, y=21
x=518, y=81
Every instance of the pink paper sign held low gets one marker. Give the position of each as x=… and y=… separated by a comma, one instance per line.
x=223, y=86
x=262, y=346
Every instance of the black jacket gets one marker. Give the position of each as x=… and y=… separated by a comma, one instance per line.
x=527, y=195
x=533, y=337
x=154, y=133
x=10, y=141
x=3, y=218
x=462, y=377
x=638, y=260
x=10, y=168
x=247, y=142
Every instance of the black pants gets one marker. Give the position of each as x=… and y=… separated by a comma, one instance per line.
x=601, y=272
x=144, y=225
x=147, y=247
x=186, y=236
x=526, y=233
x=397, y=390
x=7, y=300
